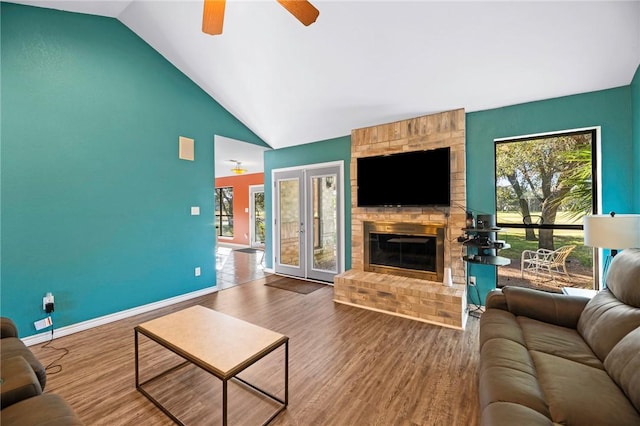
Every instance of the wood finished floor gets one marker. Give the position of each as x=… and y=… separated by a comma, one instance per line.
x=347, y=366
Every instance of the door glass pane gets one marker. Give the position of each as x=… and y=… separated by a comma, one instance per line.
x=289, y=222
x=224, y=211
x=325, y=221
x=258, y=214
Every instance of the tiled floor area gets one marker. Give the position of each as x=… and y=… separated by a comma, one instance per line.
x=234, y=267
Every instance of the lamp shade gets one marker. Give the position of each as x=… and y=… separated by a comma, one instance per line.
x=616, y=232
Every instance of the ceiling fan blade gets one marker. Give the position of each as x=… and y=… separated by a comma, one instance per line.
x=304, y=11
x=213, y=16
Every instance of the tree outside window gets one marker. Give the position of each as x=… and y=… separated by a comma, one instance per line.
x=224, y=211
x=259, y=217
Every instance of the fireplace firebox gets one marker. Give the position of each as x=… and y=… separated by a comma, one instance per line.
x=409, y=249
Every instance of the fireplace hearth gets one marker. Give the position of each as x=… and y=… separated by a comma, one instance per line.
x=407, y=249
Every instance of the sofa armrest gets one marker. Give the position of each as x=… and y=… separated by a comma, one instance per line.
x=19, y=382
x=7, y=328
x=496, y=300
x=553, y=308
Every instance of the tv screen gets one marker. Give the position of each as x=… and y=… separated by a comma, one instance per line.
x=408, y=179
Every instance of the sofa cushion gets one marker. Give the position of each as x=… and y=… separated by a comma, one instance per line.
x=623, y=365
x=559, y=341
x=623, y=277
x=605, y=321
x=509, y=414
x=44, y=410
x=496, y=323
x=506, y=353
x=577, y=393
x=12, y=346
x=507, y=375
x=18, y=381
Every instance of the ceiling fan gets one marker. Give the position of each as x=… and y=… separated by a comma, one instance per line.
x=213, y=15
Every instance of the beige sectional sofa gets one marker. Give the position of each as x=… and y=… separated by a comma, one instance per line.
x=555, y=359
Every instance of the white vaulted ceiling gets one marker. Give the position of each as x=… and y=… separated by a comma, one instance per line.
x=371, y=62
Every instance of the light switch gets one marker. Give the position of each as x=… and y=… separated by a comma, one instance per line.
x=195, y=211
x=246, y=209
x=197, y=271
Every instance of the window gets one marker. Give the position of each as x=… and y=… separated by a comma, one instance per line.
x=544, y=187
x=224, y=211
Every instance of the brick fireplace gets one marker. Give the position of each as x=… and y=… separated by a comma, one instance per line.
x=419, y=295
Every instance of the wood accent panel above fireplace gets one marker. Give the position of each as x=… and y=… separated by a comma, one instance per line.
x=446, y=129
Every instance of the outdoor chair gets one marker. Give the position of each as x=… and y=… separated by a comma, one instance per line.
x=547, y=261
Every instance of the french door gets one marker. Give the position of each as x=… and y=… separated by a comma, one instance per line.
x=308, y=226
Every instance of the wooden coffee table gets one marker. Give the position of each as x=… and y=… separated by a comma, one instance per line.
x=219, y=344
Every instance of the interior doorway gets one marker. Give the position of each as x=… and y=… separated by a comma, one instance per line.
x=309, y=221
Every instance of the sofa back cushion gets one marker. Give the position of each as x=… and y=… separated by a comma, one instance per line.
x=623, y=365
x=614, y=312
x=623, y=278
x=605, y=321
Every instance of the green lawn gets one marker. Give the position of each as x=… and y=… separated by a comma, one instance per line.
x=516, y=217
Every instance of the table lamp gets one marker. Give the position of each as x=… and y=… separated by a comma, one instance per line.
x=611, y=231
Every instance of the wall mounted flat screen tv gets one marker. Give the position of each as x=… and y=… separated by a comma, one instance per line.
x=408, y=179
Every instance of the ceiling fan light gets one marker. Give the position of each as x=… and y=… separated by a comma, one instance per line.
x=238, y=170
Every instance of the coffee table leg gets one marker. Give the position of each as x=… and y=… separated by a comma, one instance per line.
x=286, y=373
x=224, y=403
x=136, y=346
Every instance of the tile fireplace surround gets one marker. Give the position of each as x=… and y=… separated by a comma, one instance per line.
x=414, y=298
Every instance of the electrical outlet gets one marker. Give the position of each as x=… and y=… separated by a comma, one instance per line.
x=472, y=280
x=47, y=303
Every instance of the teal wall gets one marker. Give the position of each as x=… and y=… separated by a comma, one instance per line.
x=610, y=109
x=635, y=109
x=95, y=203
x=338, y=149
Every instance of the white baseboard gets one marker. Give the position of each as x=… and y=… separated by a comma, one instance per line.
x=85, y=325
